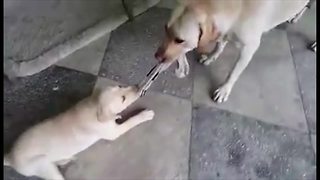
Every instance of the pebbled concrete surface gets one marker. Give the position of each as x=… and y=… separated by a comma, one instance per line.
x=305, y=65
x=314, y=142
x=300, y=35
x=130, y=54
x=230, y=146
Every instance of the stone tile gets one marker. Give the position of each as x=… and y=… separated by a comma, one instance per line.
x=305, y=64
x=130, y=54
x=267, y=89
x=170, y=4
x=156, y=149
x=230, y=146
x=137, y=7
x=87, y=59
x=30, y=100
x=45, y=24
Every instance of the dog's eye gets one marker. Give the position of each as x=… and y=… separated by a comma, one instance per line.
x=178, y=41
x=120, y=86
x=200, y=34
x=123, y=98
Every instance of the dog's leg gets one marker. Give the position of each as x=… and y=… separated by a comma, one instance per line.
x=120, y=129
x=247, y=51
x=299, y=15
x=214, y=55
x=183, y=68
x=313, y=46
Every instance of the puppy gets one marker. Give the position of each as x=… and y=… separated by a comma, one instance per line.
x=196, y=23
x=56, y=140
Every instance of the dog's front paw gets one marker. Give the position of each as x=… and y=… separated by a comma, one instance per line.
x=147, y=115
x=205, y=60
x=222, y=93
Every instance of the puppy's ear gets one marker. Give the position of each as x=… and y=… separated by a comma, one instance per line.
x=208, y=33
x=103, y=111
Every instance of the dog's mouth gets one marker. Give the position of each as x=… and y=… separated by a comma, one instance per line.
x=151, y=77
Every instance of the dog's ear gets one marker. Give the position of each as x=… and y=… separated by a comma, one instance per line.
x=208, y=33
x=207, y=29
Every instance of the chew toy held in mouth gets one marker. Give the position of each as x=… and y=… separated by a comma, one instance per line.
x=151, y=77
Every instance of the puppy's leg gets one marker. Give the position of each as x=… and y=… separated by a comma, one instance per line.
x=183, y=68
x=214, y=55
x=49, y=171
x=247, y=51
x=40, y=166
x=65, y=161
x=143, y=116
x=120, y=129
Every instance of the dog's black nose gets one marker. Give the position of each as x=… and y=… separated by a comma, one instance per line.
x=136, y=87
x=157, y=55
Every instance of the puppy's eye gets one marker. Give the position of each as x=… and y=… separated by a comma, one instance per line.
x=123, y=98
x=120, y=86
x=178, y=41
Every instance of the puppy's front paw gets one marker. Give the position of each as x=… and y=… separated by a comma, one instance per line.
x=147, y=115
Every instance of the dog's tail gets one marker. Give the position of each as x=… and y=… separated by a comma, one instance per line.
x=6, y=160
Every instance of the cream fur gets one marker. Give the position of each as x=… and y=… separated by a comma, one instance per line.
x=56, y=140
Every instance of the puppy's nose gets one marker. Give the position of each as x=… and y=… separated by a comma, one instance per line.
x=135, y=88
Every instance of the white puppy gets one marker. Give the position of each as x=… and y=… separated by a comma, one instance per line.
x=56, y=140
x=196, y=23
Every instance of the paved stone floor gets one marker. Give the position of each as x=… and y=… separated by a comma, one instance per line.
x=265, y=131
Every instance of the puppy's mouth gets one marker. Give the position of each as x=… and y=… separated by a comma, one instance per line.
x=127, y=113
